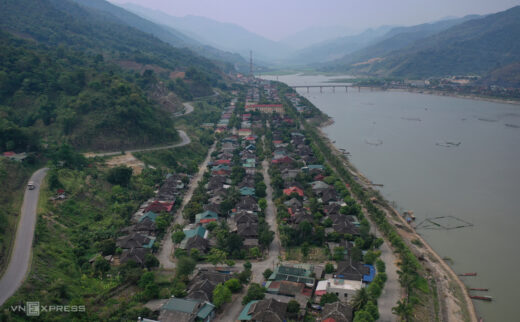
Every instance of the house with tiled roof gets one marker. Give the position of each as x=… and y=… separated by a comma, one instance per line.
x=265, y=310
x=206, y=217
x=289, y=191
x=186, y=310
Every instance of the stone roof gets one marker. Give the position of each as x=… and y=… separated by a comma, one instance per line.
x=268, y=310
x=338, y=311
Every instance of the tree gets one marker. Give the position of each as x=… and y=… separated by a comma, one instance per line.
x=120, y=175
x=150, y=261
x=328, y=298
x=380, y=266
x=216, y=256
x=359, y=300
x=293, y=308
x=371, y=308
x=363, y=316
x=248, y=265
x=305, y=249
x=101, y=265
x=339, y=253
x=254, y=252
x=221, y=295
x=185, y=266
x=267, y=273
x=403, y=310
x=107, y=247
x=329, y=268
x=370, y=257
x=254, y=292
x=178, y=236
x=233, y=285
x=262, y=203
x=146, y=278
x=54, y=181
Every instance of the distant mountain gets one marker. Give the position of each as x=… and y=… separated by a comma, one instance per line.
x=477, y=46
x=224, y=36
x=166, y=34
x=336, y=48
x=507, y=76
x=314, y=35
x=400, y=37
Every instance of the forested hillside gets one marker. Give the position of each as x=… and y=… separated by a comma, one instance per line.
x=57, y=95
x=474, y=47
x=70, y=74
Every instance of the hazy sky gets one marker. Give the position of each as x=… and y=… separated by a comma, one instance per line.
x=276, y=19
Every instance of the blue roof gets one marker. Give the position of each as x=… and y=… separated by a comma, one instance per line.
x=370, y=277
x=246, y=191
x=208, y=214
x=151, y=215
x=243, y=315
x=205, y=311
x=201, y=231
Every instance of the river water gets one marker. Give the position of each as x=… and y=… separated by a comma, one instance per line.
x=406, y=142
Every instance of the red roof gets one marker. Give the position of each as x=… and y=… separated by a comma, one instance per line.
x=277, y=142
x=329, y=320
x=220, y=172
x=285, y=159
x=9, y=154
x=244, y=130
x=250, y=138
x=291, y=190
x=222, y=162
x=158, y=206
x=264, y=105
x=319, y=177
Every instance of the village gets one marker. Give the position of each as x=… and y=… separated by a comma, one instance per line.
x=273, y=233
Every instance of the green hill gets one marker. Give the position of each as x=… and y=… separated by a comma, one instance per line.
x=55, y=95
x=476, y=47
x=68, y=75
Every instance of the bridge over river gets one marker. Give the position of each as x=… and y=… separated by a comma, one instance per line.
x=321, y=87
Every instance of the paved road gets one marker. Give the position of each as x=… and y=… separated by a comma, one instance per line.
x=21, y=254
x=166, y=250
x=392, y=290
x=232, y=310
x=185, y=140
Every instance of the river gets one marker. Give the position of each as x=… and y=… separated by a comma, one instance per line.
x=407, y=141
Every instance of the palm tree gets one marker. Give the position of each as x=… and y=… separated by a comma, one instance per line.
x=359, y=300
x=403, y=310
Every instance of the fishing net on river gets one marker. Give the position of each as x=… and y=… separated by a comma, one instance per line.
x=443, y=223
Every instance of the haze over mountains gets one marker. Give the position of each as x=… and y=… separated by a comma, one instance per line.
x=429, y=49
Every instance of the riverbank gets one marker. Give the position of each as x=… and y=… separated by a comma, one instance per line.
x=456, y=95
x=452, y=296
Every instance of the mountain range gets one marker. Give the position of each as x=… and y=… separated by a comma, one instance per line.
x=469, y=46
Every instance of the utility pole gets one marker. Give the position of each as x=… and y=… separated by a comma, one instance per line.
x=251, y=64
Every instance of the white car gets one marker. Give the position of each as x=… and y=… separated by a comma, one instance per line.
x=31, y=185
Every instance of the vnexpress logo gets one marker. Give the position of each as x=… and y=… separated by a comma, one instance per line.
x=35, y=309
x=32, y=308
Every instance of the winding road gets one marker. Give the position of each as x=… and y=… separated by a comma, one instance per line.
x=20, y=260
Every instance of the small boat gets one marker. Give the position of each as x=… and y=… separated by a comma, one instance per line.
x=468, y=274
x=483, y=298
x=478, y=289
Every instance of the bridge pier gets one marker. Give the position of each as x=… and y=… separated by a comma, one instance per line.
x=333, y=89
x=307, y=89
x=321, y=89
